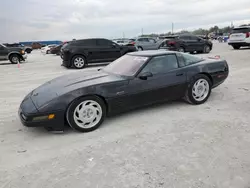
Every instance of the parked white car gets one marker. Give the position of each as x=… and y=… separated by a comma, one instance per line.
x=122, y=41
x=46, y=49
x=239, y=37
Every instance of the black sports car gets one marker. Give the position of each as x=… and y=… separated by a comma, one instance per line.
x=134, y=80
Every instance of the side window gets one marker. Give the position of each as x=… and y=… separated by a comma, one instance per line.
x=140, y=39
x=1, y=47
x=161, y=64
x=181, y=60
x=184, y=37
x=103, y=42
x=89, y=42
x=152, y=40
x=191, y=59
x=193, y=38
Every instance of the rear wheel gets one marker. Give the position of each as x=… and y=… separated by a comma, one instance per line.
x=14, y=58
x=86, y=114
x=236, y=47
x=79, y=62
x=140, y=48
x=199, y=89
x=181, y=49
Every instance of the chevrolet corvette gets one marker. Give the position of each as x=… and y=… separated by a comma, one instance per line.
x=83, y=100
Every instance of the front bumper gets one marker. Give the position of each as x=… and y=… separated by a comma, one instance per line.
x=31, y=117
x=25, y=56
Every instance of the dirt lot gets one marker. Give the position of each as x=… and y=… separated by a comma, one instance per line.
x=171, y=145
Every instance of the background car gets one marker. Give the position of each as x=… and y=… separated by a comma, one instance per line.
x=146, y=43
x=187, y=43
x=134, y=80
x=239, y=37
x=13, y=54
x=122, y=42
x=80, y=53
x=46, y=49
x=27, y=49
x=56, y=50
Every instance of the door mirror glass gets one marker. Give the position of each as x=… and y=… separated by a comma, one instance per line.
x=145, y=75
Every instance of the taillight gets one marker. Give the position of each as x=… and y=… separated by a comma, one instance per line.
x=171, y=43
x=133, y=43
x=247, y=34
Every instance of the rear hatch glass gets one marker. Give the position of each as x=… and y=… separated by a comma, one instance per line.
x=240, y=30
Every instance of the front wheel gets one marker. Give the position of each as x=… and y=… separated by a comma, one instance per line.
x=86, y=114
x=181, y=49
x=198, y=90
x=14, y=58
x=206, y=49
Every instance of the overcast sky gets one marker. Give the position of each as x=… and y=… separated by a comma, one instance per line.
x=23, y=20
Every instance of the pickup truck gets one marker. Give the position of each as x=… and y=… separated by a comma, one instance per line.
x=13, y=54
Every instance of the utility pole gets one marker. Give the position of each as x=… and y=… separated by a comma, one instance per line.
x=123, y=35
x=172, y=28
x=141, y=31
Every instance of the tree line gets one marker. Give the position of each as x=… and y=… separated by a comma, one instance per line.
x=215, y=29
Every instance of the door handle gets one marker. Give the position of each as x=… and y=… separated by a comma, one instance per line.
x=179, y=74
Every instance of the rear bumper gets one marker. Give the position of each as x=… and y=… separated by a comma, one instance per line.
x=238, y=43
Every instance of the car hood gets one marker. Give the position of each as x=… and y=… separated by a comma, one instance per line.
x=67, y=83
x=18, y=49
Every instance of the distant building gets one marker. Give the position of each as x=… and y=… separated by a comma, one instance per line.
x=28, y=43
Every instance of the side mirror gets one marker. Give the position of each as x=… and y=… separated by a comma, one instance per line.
x=145, y=75
x=114, y=45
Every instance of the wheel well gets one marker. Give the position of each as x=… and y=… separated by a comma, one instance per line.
x=75, y=56
x=14, y=54
x=209, y=76
x=99, y=96
x=140, y=47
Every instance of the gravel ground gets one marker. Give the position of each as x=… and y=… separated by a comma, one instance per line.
x=170, y=145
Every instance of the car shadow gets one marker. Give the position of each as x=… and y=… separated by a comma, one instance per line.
x=244, y=48
x=123, y=115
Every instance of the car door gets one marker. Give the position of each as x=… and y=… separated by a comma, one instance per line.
x=168, y=82
x=108, y=50
x=89, y=48
x=186, y=43
x=153, y=45
x=3, y=52
x=197, y=43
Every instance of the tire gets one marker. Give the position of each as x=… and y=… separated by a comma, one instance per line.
x=91, y=106
x=206, y=49
x=28, y=51
x=48, y=52
x=78, y=62
x=140, y=48
x=236, y=47
x=14, y=58
x=181, y=49
x=205, y=84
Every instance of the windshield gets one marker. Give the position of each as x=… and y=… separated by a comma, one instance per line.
x=127, y=65
x=241, y=30
x=3, y=45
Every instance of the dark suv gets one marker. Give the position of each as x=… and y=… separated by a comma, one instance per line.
x=80, y=53
x=187, y=43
